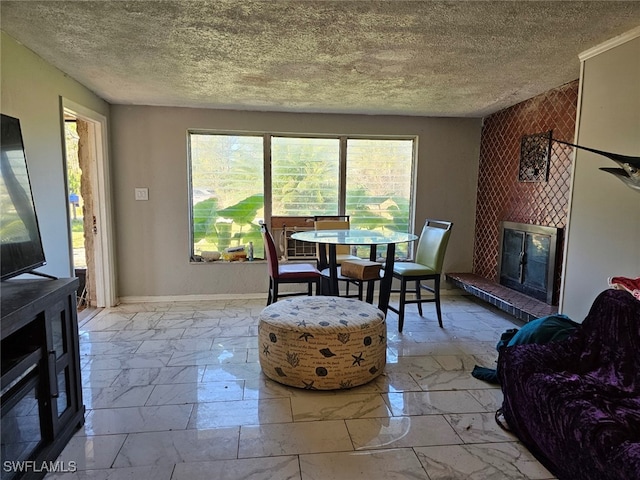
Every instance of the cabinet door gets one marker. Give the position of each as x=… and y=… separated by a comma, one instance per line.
x=63, y=362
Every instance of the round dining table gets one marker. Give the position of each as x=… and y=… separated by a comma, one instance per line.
x=357, y=237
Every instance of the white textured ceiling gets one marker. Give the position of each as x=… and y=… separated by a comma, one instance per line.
x=434, y=58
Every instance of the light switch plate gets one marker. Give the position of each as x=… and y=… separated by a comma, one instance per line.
x=142, y=193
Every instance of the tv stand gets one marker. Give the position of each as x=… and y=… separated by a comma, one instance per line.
x=41, y=386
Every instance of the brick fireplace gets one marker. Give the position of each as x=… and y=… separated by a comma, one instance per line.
x=501, y=197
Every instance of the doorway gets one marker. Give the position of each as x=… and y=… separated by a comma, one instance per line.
x=78, y=184
x=89, y=206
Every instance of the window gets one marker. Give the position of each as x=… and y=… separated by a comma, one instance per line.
x=227, y=193
x=304, y=176
x=370, y=179
x=378, y=185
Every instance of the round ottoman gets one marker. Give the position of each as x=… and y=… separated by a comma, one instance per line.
x=322, y=343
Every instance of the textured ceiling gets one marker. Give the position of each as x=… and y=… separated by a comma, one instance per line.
x=434, y=58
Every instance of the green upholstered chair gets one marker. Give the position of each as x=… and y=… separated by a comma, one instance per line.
x=432, y=246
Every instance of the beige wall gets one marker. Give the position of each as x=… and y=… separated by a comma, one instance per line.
x=150, y=150
x=604, y=223
x=31, y=90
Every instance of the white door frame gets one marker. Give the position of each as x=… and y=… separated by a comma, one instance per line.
x=105, y=271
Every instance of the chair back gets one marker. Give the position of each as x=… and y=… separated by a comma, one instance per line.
x=321, y=224
x=270, y=251
x=433, y=244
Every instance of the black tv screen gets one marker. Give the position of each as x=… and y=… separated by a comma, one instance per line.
x=20, y=235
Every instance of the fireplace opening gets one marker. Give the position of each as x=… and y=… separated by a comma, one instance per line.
x=527, y=261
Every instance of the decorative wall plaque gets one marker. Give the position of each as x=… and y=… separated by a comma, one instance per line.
x=535, y=151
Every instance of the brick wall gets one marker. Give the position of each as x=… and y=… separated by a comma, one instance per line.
x=500, y=195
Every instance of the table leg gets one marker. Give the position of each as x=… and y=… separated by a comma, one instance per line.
x=322, y=264
x=322, y=256
x=371, y=285
x=387, y=279
x=333, y=271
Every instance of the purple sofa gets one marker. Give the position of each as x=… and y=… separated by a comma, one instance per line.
x=575, y=403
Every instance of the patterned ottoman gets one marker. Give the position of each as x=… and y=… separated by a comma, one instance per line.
x=322, y=343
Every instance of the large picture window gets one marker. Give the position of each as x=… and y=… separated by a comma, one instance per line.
x=369, y=179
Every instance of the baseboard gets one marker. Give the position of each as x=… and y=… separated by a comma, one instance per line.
x=236, y=296
x=193, y=298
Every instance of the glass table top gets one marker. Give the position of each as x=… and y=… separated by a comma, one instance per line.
x=353, y=237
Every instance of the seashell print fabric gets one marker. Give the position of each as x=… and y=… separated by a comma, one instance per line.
x=322, y=343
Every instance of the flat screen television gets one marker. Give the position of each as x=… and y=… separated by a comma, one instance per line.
x=21, y=245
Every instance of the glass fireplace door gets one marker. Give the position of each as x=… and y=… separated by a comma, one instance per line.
x=528, y=259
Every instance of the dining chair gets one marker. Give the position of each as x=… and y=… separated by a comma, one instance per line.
x=343, y=252
x=287, y=273
x=432, y=246
x=338, y=222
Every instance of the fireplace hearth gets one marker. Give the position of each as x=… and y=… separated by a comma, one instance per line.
x=527, y=261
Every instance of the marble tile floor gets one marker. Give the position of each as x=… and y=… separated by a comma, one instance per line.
x=174, y=391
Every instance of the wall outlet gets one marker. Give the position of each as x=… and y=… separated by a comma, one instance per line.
x=142, y=193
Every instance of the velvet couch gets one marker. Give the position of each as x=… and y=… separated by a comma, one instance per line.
x=575, y=403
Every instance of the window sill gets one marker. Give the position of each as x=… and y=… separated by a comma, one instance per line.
x=227, y=262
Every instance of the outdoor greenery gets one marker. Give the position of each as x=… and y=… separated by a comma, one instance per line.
x=73, y=168
x=77, y=239
x=77, y=225
x=304, y=176
x=217, y=229
x=74, y=175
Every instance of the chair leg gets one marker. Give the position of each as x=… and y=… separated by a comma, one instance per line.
x=324, y=285
x=418, y=297
x=371, y=290
x=401, y=304
x=436, y=292
x=270, y=293
x=275, y=291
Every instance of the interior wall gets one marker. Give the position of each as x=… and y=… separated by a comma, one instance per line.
x=501, y=197
x=150, y=150
x=604, y=226
x=31, y=91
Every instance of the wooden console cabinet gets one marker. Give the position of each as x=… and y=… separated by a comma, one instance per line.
x=41, y=386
